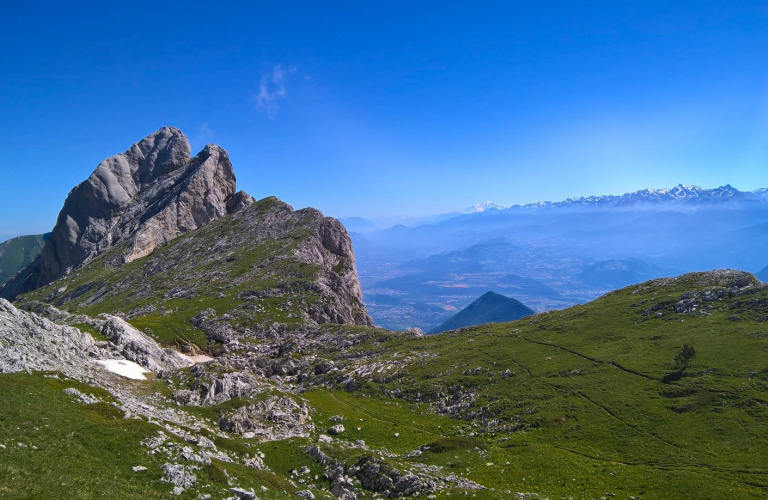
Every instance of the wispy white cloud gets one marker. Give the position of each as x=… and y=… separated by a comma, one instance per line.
x=203, y=135
x=205, y=130
x=272, y=88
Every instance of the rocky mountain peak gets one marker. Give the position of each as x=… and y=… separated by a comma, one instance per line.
x=143, y=198
x=156, y=155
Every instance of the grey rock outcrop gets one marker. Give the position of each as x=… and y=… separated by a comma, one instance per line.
x=244, y=494
x=137, y=347
x=29, y=342
x=211, y=384
x=85, y=398
x=143, y=197
x=179, y=476
x=336, y=430
x=239, y=201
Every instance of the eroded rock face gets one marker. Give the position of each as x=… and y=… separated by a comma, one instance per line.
x=145, y=196
x=332, y=249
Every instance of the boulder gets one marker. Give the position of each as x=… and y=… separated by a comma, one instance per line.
x=336, y=430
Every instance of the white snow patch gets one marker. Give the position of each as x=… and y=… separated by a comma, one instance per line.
x=200, y=358
x=125, y=368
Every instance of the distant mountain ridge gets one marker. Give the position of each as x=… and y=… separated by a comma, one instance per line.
x=16, y=253
x=680, y=193
x=489, y=308
x=762, y=274
x=618, y=273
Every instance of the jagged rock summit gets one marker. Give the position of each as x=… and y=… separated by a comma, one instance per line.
x=143, y=197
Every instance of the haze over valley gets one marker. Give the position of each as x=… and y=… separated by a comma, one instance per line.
x=551, y=255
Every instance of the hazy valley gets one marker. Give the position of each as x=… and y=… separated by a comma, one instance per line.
x=553, y=255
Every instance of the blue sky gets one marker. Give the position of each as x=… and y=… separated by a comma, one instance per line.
x=387, y=108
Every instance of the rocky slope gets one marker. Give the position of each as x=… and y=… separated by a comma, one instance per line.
x=17, y=253
x=144, y=198
x=31, y=342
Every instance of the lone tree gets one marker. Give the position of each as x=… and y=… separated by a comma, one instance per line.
x=682, y=359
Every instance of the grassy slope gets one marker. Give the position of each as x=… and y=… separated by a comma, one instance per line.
x=75, y=450
x=591, y=413
x=16, y=253
x=584, y=414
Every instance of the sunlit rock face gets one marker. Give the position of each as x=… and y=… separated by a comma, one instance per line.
x=143, y=197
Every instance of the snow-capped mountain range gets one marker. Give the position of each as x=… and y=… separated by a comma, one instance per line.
x=678, y=194
x=482, y=207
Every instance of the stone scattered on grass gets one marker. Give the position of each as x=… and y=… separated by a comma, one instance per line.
x=179, y=477
x=244, y=494
x=336, y=430
x=85, y=398
x=254, y=462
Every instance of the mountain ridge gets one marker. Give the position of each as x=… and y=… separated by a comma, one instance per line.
x=678, y=194
x=18, y=252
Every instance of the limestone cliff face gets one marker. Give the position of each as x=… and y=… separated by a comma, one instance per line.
x=146, y=197
x=331, y=249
